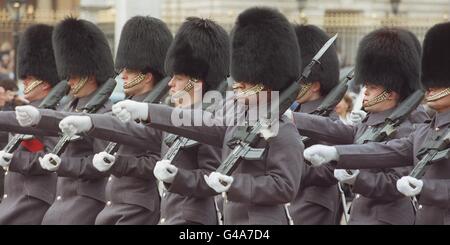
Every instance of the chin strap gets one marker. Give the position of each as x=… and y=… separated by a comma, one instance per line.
x=136, y=80
x=247, y=92
x=303, y=90
x=439, y=95
x=189, y=86
x=81, y=83
x=32, y=86
x=378, y=99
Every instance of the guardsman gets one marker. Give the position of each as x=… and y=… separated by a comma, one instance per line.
x=432, y=190
x=29, y=189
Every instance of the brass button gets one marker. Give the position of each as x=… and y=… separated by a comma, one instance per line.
x=6, y=173
x=437, y=129
x=420, y=207
x=58, y=198
x=5, y=196
x=108, y=203
x=162, y=221
x=110, y=178
x=357, y=196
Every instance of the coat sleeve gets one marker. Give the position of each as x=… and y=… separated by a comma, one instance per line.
x=435, y=192
x=27, y=163
x=140, y=166
x=380, y=185
x=9, y=123
x=81, y=166
x=321, y=176
x=191, y=182
x=281, y=182
x=324, y=128
x=390, y=154
x=163, y=117
x=110, y=128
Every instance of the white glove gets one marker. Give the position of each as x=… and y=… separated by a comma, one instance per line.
x=289, y=115
x=50, y=166
x=165, y=171
x=27, y=115
x=218, y=182
x=99, y=161
x=357, y=116
x=343, y=176
x=404, y=186
x=130, y=110
x=320, y=154
x=5, y=159
x=72, y=125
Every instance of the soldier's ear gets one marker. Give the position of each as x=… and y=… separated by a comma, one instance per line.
x=394, y=96
x=316, y=87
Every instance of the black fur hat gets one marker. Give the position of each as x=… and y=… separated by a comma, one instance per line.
x=143, y=45
x=311, y=39
x=81, y=49
x=201, y=50
x=264, y=49
x=35, y=54
x=436, y=57
x=388, y=57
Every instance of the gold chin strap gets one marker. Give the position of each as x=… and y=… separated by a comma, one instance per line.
x=304, y=89
x=138, y=79
x=378, y=99
x=189, y=86
x=248, y=92
x=79, y=85
x=32, y=86
x=439, y=95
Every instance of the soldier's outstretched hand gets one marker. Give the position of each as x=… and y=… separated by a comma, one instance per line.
x=318, y=155
x=218, y=182
x=409, y=186
x=5, y=159
x=27, y=115
x=165, y=171
x=72, y=125
x=103, y=161
x=129, y=110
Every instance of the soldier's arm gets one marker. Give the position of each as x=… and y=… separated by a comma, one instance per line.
x=8, y=123
x=435, y=192
x=191, y=182
x=324, y=128
x=390, y=154
x=284, y=166
x=110, y=128
x=320, y=176
x=140, y=166
x=160, y=117
x=81, y=166
x=27, y=163
x=380, y=185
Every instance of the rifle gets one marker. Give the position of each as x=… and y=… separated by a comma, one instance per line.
x=331, y=100
x=50, y=102
x=176, y=142
x=436, y=150
x=247, y=135
x=95, y=103
x=155, y=96
x=391, y=123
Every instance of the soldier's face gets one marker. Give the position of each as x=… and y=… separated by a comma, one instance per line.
x=36, y=92
x=2, y=97
x=130, y=76
x=371, y=92
x=440, y=105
